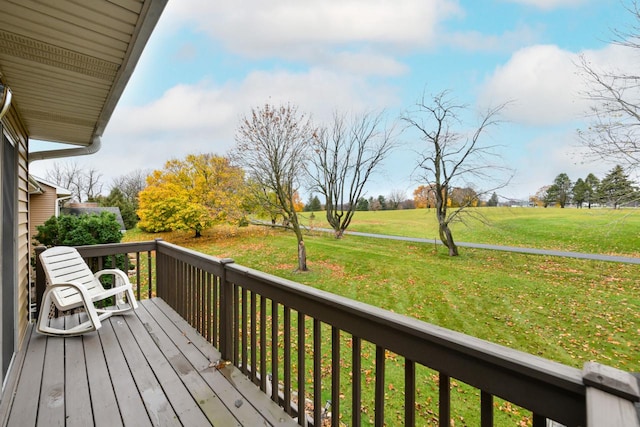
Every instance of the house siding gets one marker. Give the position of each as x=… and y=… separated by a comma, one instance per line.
x=24, y=247
x=17, y=133
x=41, y=208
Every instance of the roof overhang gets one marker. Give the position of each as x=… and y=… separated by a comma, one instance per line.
x=68, y=62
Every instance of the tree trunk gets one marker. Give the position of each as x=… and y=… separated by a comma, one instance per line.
x=447, y=239
x=302, y=256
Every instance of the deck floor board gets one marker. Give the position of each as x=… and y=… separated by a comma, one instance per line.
x=148, y=368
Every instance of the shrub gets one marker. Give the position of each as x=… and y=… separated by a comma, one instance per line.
x=78, y=230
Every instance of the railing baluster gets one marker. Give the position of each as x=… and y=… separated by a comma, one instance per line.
x=245, y=320
x=539, y=420
x=287, y=360
x=215, y=310
x=445, y=400
x=236, y=324
x=302, y=415
x=409, y=393
x=263, y=344
x=192, y=295
x=189, y=295
x=162, y=277
x=207, y=306
x=380, y=380
x=335, y=376
x=254, y=338
x=274, y=351
x=227, y=309
x=200, y=301
x=193, y=298
x=317, y=373
x=138, y=286
x=356, y=377
x=486, y=409
x=185, y=287
x=178, y=288
x=149, y=267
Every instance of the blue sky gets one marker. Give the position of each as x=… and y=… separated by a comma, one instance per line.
x=209, y=62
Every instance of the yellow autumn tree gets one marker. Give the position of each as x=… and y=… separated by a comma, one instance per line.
x=424, y=197
x=298, y=204
x=192, y=194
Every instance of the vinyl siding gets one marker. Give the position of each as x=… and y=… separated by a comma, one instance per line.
x=17, y=133
x=41, y=208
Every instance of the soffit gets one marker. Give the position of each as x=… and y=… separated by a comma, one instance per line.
x=68, y=61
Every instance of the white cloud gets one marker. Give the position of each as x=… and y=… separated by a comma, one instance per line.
x=365, y=64
x=508, y=41
x=545, y=85
x=291, y=28
x=541, y=83
x=203, y=117
x=549, y=4
x=542, y=158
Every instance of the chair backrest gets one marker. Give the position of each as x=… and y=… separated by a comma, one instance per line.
x=63, y=264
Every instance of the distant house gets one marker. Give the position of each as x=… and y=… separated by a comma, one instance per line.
x=93, y=208
x=45, y=199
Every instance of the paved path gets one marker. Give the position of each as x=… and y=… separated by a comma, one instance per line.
x=581, y=255
x=597, y=257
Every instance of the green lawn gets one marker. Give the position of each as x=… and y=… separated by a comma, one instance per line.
x=563, y=309
x=602, y=231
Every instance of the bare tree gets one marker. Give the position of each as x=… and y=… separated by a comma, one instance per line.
x=131, y=184
x=614, y=132
x=454, y=158
x=272, y=145
x=345, y=156
x=395, y=198
x=84, y=184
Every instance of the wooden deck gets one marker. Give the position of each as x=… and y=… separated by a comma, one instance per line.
x=144, y=368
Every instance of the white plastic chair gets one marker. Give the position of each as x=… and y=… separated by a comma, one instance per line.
x=71, y=285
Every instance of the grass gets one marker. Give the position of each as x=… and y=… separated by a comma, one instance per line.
x=567, y=310
x=605, y=231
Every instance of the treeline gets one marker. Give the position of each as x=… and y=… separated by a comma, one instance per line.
x=423, y=197
x=614, y=190
x=380, y=203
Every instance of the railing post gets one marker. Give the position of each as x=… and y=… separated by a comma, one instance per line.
x=226, y=313
x=611, y=394
x=41, y=281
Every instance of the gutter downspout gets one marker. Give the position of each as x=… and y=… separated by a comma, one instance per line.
x=92, y=148
x=5, y=99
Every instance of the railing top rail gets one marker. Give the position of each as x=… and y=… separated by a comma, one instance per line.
x=205, y=262
x=112, y=248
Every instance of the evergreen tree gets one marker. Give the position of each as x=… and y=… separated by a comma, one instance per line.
x=560, y=190
x=116, y=198
x=579, y=192
x=493, y=201
x=591, y=183
x=616, y=188
x=362, y=205
x=383, y=202
x=313, y=205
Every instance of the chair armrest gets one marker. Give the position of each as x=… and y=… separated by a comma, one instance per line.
x=119, y=274
x=82, y=289
x=79, y=286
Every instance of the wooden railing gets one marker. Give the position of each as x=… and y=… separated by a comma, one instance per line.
x=324, y=358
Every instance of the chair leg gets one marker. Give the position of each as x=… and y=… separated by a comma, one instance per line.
x=92, y=324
